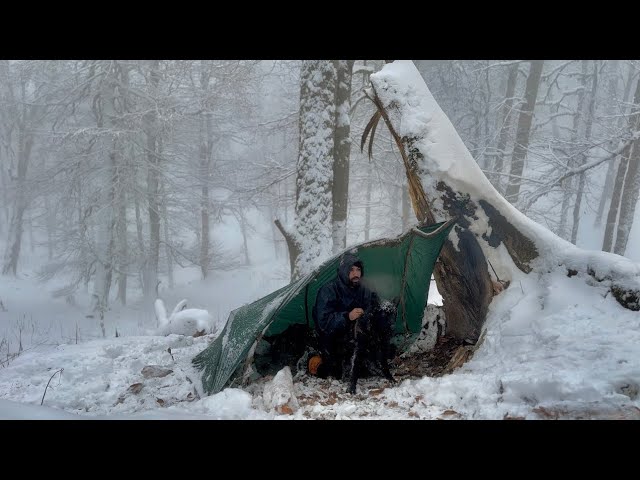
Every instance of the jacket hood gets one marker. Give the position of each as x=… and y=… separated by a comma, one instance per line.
x=347, y=261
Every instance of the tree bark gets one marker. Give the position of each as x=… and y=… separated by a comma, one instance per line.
x=4, y=185
x=612, y=216
x=152, y=131
x=312, y=227
x=51, y=227
x=567, y=184
x=167, y=238
x=342, y=150
x=607, y=189
x=16, y=226
x=292, y=246
x=243, y=229
x=121, y=227
x=524, y=127
x=204, y=203
x=628, y=200
x=106, y=217
x=139, y=227
x=367, y=213
x=496, y=178
x=105, y=242
x=583, y=158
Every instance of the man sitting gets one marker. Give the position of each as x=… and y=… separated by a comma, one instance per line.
x=354, y=328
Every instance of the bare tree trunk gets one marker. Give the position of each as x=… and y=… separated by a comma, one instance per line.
x=205, y=164
x=486, y=114
x=583, y=158
x=628, y=200
x=121, y=227
x=167, y=238
x=139, y=228
x=496, y=178
x=476, y=136
x=12, y=252
x=151, y=129
x=81, y=222
x=342, y=150
x=524, y=127
x=14, y=243
x=106, y=217
x=286, y=205
x=32, y=243
x=274, y=232
x=4, y=186
x=611, y=169
x=612, y=217
x=51, y=227
x=105, y=242
x=243, y=230
x=568, y=183
x=5, y=148
x=292, y=246
x=367, y=215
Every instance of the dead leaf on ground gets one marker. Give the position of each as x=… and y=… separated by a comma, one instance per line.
x=135, y=388
x=546, y=413
x=155, y=371
x=509, y=417
x=285, y=409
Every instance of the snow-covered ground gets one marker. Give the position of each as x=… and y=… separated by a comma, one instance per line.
x=552, y=349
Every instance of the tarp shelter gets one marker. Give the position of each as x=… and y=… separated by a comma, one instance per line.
x=398, y=269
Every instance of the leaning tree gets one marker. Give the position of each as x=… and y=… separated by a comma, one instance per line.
x=493, y=243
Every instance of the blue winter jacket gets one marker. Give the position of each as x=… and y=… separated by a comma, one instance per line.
x=337, y=298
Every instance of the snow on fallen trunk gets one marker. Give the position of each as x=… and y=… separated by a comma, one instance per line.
x=454, y=185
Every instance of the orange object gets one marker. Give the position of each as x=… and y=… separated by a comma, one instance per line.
x=314, y=363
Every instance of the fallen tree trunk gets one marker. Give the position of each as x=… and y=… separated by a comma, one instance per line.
x=445, y=182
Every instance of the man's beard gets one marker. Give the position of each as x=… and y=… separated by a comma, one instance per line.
x=354, y=282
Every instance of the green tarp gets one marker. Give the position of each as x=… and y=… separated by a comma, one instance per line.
x=398, y=268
